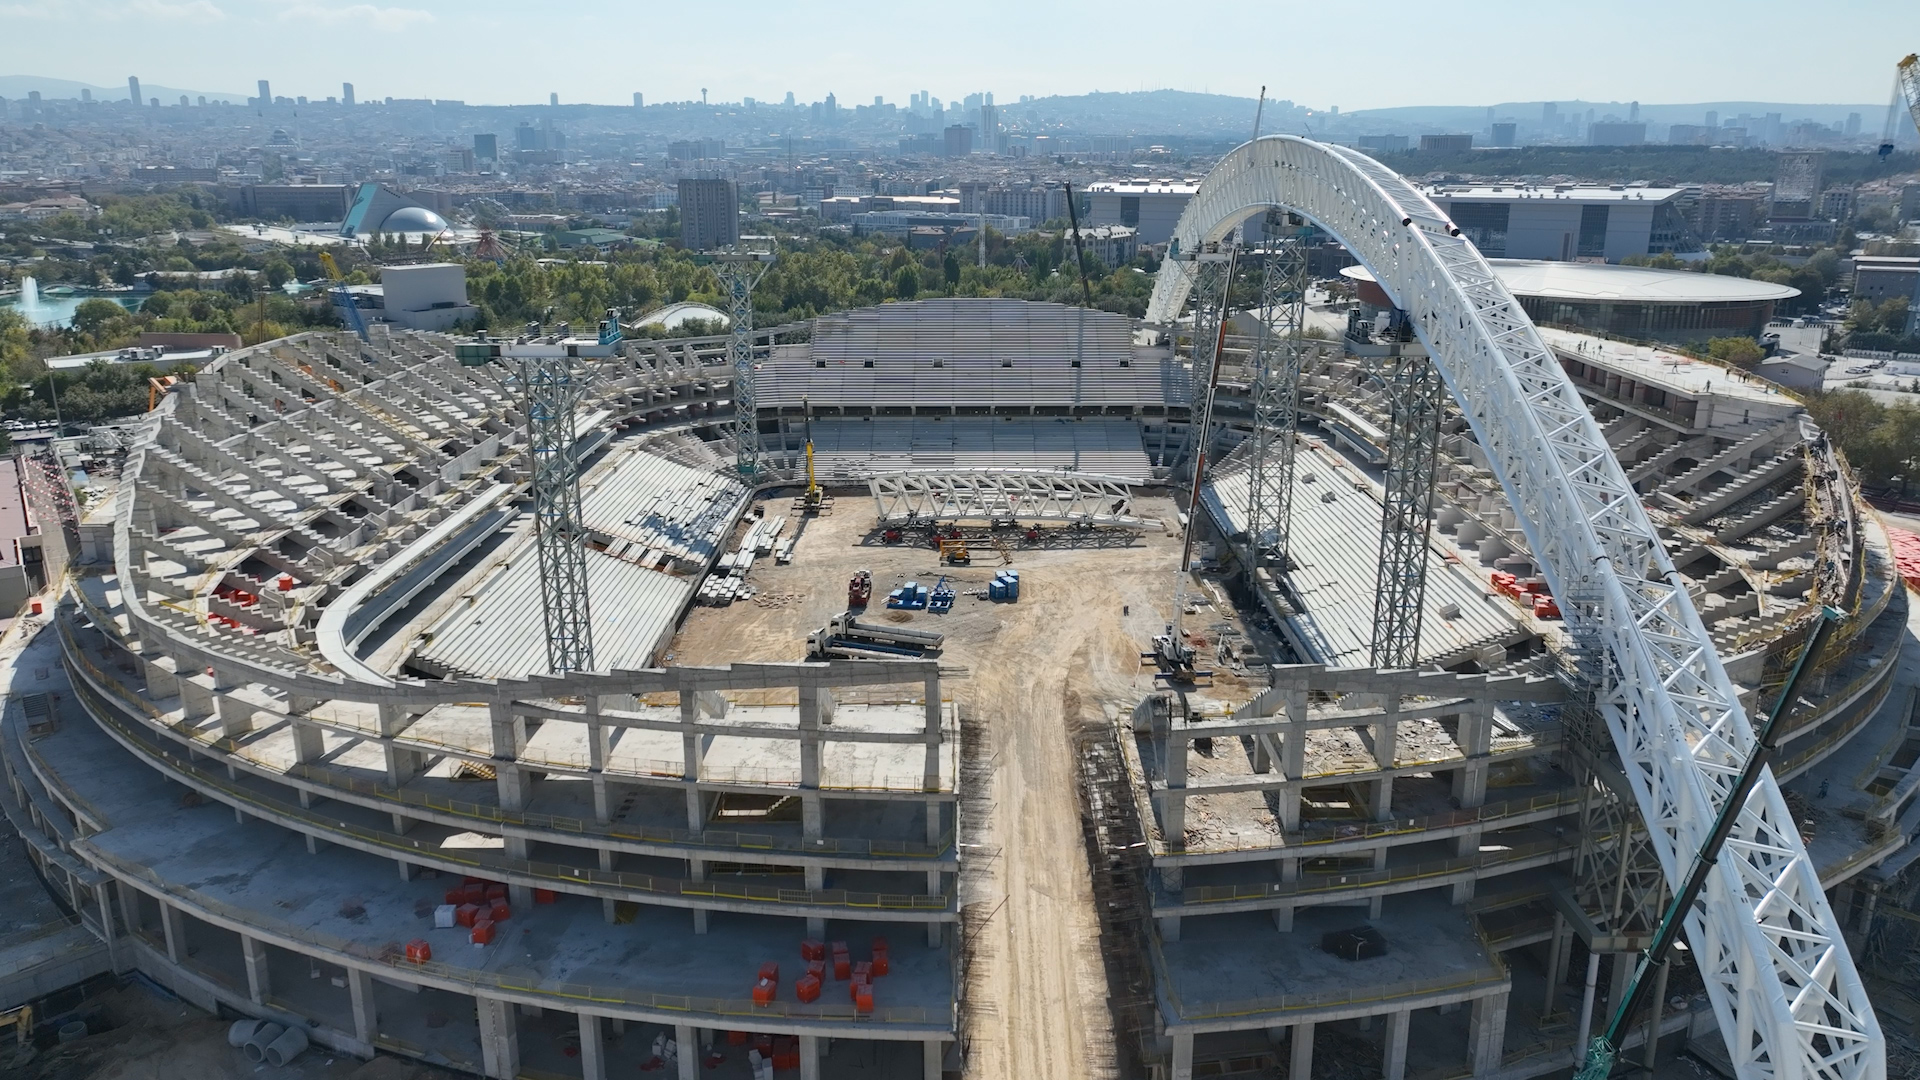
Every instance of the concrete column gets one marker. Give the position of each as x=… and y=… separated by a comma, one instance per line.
x=697, y=871
x=172, y=923
x=810, y=1058
x=1556, y=965
x=253, y=952
x=196, y=696
x=1488, y=1033
x=816, y=707
x=1623, y=965
x=402, y=764
x=499, y=1038
x=1182, y=1056
x=931, y=1053
x=366, y=1020
x=1475, y=737
x=932, y=691
x=1173, y=801
x=1386, y=741
x=1293, y=760
x=935, y=822
x=236, y=715
x=104, y=898
x=693, y=748
x=161, y=683
x=1301, y=1065
x=689, y=1052
x=1394, y=1067
x=308, y=745
x=129, y=906
x=593, y=1052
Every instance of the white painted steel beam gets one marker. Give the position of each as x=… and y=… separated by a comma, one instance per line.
x=1006, y=495
x=1783, y=985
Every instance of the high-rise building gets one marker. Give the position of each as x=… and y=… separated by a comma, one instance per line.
x=1853, y=123
x=1549, y=114
x=709, y=214
x=266, y=93
x=346, y=94
x=1797, y=182
x=989, y=128
x=789, y=101
x=639, y=102
x=553, y=98
x=486, y=147
x=183, y=101
x=959, y=141
x=1503, y=132
x=133, y=89
x=86, y=96
x=1713, y=119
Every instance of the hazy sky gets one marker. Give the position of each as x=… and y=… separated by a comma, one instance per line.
x=1355, y=55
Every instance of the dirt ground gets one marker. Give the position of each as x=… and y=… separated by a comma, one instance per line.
x=1069, y=648
x=140, y=1033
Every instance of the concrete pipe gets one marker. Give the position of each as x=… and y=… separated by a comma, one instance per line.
x=291, y=1044
x=256, y=1044
x=241, y=1031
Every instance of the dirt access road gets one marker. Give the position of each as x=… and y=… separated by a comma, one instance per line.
x=1069, y=649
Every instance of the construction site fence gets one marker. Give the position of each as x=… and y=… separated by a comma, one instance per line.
x=558, y=993
x=496, y=815
x=552, y=873
x=1310, y=884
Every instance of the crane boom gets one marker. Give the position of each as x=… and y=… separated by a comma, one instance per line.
x=1906, y=91
x=343, y=299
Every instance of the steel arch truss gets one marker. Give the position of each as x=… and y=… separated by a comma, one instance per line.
x=553, y=388
x=1006, y=495
x=1783, y=986
x=739, y=272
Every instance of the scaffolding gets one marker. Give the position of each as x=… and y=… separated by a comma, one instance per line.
x=739, y=271
x=1418, y=399
x=1279, y=350
x=553, y=388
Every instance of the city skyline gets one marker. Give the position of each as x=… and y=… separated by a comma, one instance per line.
x=1391, y=60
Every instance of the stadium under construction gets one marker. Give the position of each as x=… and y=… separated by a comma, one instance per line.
x=1383, y=676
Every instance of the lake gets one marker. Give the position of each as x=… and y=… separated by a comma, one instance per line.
x=50, y=311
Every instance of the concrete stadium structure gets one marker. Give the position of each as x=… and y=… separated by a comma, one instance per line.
x=294, y=692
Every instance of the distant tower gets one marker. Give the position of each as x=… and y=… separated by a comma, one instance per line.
x=639, y=101
x=789, y=101
x=183, y=101
x=133, y=89
x=86, y=95
x=346, y=94
x=703, y=95
x=1633, y=111
x=553, y=98
x=266, y=93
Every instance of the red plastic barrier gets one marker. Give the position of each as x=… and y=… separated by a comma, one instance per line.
x=813, y=950
x=763, y=992
x=418, y=951
x=1906, y=555
x=545, y=896
x=482, y=932
x=807, y=988
x=466, y=914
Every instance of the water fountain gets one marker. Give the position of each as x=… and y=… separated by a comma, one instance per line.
x=29, y=295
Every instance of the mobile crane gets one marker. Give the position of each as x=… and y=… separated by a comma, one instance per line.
x=343, y=299
x=1906, y=90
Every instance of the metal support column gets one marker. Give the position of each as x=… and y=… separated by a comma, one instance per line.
x=739, y=272
x=1276, y=396
x=553, y=393
x=1418, y=399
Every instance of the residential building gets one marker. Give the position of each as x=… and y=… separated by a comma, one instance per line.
x=1445, y=144
x=709, y=214
x=1383, y=144
x=1797, y=176
x=1884, y=277
x=1616, y=133
x=959, y=141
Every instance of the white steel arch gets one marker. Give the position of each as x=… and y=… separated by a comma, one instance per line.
x=1006, y=494
x=1783, y=985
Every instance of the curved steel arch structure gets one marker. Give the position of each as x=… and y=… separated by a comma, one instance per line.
x=1783, y=985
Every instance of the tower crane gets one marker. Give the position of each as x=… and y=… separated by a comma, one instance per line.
x=1906, y=90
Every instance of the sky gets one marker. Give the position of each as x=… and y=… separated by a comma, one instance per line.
x=1376, y=54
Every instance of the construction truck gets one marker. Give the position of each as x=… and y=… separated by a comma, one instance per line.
x=846, y=637
x=859, y=590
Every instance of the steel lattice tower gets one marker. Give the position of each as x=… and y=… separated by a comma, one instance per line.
x=1210, y=271
x=553, y=391
x=1280, y=349
x=1418, y=399
x=739, y=272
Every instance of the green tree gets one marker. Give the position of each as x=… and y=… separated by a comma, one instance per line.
x=951, y=266
x=94, y=314
x=1741, y=351
x=278, y=272
x=906, y=283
